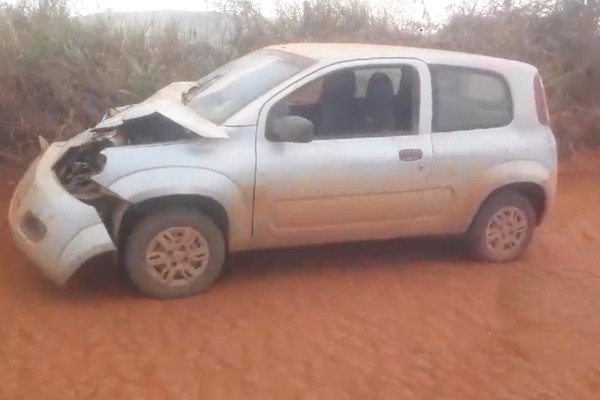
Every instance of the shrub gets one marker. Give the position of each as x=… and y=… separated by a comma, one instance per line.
x=59, y=74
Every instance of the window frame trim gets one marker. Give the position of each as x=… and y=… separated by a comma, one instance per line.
x=481, y=71
x=425, y=109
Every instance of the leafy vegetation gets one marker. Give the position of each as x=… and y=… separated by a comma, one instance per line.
x=59, y=74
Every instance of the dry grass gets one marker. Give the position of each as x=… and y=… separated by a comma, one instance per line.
x=59, y=75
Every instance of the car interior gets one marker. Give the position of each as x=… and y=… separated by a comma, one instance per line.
x=358, y=102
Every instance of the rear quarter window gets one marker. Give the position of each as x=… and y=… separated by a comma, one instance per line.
x=468, y=99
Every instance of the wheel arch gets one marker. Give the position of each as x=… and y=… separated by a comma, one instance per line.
x=205, y=190
x=208, y=206
x=532, y=179
x=532, y=191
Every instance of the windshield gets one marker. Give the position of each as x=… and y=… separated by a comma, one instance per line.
x=222, y=93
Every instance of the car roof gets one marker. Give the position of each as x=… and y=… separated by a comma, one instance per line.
x=328, y=53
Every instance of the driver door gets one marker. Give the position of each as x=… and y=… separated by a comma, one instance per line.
x=348, y=185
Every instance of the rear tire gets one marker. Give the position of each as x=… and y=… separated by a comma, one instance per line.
x=503, y=228
x=174, y=253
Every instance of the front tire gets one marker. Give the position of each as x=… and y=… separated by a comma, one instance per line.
x=174, y=253
x=503, y=228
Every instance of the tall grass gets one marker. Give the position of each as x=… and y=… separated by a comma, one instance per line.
x=59, y=74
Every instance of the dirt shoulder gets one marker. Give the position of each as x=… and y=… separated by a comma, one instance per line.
x=393, y=320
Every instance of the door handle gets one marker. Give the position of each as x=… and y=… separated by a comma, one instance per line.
x=410, y=154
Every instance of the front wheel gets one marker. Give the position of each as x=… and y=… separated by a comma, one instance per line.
x=174, y=253
x=503, y=228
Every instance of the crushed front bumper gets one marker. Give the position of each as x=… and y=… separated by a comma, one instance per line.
x=56, y=231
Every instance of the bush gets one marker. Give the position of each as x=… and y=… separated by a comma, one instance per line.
x=60, y=74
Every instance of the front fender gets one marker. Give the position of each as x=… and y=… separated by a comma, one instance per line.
x=486, y=181
x=167, y=181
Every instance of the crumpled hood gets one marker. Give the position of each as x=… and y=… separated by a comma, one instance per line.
x=166, y=102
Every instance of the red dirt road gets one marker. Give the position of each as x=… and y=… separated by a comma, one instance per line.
x=395, y=320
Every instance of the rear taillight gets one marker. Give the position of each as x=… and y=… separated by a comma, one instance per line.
x=541, y=104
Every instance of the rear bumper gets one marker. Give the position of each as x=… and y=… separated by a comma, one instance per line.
x=73, y=231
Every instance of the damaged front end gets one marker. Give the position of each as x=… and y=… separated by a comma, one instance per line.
x=82, y=161
x=160, y=119
x=75, y=170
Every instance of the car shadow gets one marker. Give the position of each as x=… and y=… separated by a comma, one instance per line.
x=102, y=278
x=99, y=278
x=347, y=256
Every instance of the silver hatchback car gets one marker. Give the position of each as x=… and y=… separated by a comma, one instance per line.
x=292, y=145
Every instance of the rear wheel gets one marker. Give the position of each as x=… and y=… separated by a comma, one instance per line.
x=174, y=253
x=503, y=228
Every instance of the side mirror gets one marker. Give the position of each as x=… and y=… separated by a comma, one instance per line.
x=291, y=128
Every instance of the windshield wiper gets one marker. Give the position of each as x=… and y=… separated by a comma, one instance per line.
x=199, y=86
